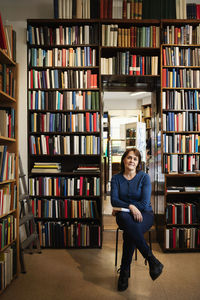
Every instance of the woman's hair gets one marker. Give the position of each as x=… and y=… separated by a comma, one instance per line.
x=137, y=153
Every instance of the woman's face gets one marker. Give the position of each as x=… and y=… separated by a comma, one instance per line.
x=131, y=162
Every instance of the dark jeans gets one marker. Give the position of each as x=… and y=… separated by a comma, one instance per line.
x=133, y=235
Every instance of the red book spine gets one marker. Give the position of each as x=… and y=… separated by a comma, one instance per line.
x=84, y=100
x=81, y=186
x=66, y=211
x=164, y=57
x=124, y=9
x=174, y=237
x=79, y=209
x=94, y=122
x=102, y=9
x=173, y=214
x=33, y=208
x=106, y=9
x=87, y=118
x=143, y=65
x=164, y=77
x=39, y=208
x=57, y=188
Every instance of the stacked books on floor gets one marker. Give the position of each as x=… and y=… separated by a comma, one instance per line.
x=46, y=167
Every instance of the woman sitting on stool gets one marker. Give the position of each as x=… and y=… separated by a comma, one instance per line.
x=131, y=191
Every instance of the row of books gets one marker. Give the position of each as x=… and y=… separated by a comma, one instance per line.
x=177, y=189
x=65, y=235
x=193, y=11
x=63, y=35
x=71, y=57
x=8, y=199
x=179, y=143
x=177, y=56
x=67, y=100
x=68, y=122
x=144, y=36
x=7, y=124
x=182, y=121
x=54, y=208
x=64, y=145
x=64, y=186
x=55, y=79
x=182, y=238
x=8, y=39
x=180, y=78
x=7, y=80
x=126, y=64
x=186, y=34
x=8, y=266
x=121, y=9
x=45, y=167
x=76, y=9
x=7, y=164
x=8, y=228
x=183, y=213
x=174, y=163
x=183, y=99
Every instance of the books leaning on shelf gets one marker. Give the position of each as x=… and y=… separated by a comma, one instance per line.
x=46, y=167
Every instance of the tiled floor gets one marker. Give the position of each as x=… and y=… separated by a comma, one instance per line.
x=90, y=274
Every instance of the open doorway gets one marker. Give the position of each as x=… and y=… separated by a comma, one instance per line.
x=127, y=123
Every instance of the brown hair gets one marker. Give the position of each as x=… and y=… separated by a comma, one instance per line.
x=137, y=153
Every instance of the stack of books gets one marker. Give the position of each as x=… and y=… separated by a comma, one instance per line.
x=46, y=167
x=87, y=169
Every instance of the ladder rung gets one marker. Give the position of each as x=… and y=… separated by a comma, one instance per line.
x=22, y=197
x=25, y=219
x=29, y=240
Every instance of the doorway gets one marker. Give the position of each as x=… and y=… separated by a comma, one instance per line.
x=127, y=123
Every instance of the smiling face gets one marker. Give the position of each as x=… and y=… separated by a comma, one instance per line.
x=131, y=162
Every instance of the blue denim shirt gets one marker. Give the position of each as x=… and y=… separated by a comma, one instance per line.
x=136, y=191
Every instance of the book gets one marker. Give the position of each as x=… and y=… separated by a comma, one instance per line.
x=121, y=209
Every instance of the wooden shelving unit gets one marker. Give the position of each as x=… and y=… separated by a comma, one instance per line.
x=9, y=186
x=72, y=206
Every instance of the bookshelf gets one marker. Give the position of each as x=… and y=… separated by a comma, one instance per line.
x=182, y=212
x=9, y=199
x=130, y=47
x=64, y=123
x=146, y=118
x=180, y=133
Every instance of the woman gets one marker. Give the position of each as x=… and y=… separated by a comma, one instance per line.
x=131, y=190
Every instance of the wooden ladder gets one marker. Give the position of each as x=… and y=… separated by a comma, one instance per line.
x=28, y=236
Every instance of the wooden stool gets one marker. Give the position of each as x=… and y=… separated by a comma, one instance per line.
x=116, y=245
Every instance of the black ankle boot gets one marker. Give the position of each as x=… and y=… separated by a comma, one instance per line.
x=155, y=266
x=123, y=280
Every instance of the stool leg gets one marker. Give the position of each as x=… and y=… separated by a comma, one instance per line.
x=116, y=246
x=135, y=253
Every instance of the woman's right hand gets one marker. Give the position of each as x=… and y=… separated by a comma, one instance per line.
x=136, y=213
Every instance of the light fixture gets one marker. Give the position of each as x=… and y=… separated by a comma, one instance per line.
x=137, y=93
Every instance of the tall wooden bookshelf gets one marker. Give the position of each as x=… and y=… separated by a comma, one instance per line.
x=180, y=70
x=9, y=204
x=64, y=124
x=128, y=56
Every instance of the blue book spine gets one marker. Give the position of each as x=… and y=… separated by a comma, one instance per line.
x=55, y=6
x=74, y=100
x=30, y=40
